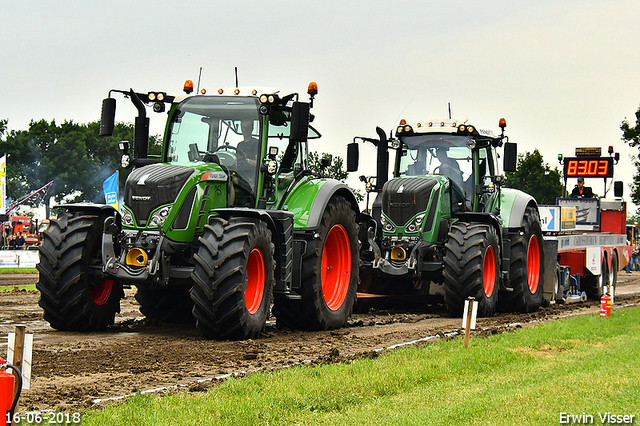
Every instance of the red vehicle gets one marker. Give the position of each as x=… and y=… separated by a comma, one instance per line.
x=588, y=234
x=23, y=224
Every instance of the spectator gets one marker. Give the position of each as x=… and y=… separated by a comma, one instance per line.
x=633, y=253
x=11, y=242
x=635, y=257
x=581, y=191
x=19, y=241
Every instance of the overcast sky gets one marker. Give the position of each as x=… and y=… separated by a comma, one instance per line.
x=563, y=73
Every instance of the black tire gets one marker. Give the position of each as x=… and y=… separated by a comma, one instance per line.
x=74, y=292
x=526, y=267
x=613, y=273
x=594, y=285
x=169, y=305
x=471, y=267
x=327, y=302
x=234, y=261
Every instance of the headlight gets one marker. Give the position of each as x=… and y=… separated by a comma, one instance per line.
x=416, y=223
x=127, y=217
x=158, y=217
x=386, y=224
x=271, y=167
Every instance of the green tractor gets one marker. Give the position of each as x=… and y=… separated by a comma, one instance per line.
x=445, y=224
x=225, y=222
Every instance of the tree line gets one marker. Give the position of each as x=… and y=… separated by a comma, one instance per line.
x=77, y=160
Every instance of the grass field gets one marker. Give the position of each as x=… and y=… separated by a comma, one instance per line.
x=583, y=365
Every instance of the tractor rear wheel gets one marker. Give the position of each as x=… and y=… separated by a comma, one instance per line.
x=170, y=305
x=74, y=292
x=526, y=267
x=471, y=265
x=329, y=274
x=233, y=278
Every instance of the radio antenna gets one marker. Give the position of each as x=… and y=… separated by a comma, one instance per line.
x=449, y=104
x=236, y=77
x=199, y=75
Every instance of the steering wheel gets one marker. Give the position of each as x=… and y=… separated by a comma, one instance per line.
x=226, y=156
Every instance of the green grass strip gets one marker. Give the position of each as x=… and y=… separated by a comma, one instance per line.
x=580, y=365
x=18, y=271
x=26, y=287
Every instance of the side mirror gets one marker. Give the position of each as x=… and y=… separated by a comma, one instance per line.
x=618, y=187
x=108, y=117
x=353, y=157
x=510, y=157
x=299, y=122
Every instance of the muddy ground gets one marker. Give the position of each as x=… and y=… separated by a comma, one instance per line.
x=73, y=371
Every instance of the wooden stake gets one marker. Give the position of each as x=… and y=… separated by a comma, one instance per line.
x=468, y=325
x=18, y=349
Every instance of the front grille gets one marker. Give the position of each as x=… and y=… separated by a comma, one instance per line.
x=152, y=186
x=404, y=198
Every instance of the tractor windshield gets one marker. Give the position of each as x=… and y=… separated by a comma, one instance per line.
x=220, y=129
x=444, y=154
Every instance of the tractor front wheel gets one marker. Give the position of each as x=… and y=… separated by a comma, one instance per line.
x=234, y=278
x=471, y=265
x=74, y=292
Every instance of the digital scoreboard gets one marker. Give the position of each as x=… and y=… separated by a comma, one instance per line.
x=588, y=167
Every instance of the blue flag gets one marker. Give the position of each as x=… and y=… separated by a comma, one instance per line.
x=110, y=188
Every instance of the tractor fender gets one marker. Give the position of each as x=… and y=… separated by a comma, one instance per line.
x=91, y=208
x=309, y=200
x=330, y=189
x=512, y=206
x=267, y=216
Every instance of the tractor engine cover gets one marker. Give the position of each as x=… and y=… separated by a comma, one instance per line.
x=404, y=198
x=152, y=186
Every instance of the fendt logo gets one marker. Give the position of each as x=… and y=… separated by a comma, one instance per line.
x=141, y=197
x=142, y=179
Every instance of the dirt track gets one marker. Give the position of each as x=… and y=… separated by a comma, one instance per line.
x=73, y=370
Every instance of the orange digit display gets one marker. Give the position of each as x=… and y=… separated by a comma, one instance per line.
x=588, y=167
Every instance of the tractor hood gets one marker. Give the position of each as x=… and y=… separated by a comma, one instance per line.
x=150, y=187
x=404, y=198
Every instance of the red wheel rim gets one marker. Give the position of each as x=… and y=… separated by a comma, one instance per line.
x=255, y=281
x=489, y=271
x=336, y=267
x=101, y=293
x=533, y=264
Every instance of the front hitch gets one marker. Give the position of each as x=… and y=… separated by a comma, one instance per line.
x=118, y=269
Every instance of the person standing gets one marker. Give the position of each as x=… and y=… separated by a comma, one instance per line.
x=635, y=258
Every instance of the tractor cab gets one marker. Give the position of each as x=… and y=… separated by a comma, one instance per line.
x=450, y=148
